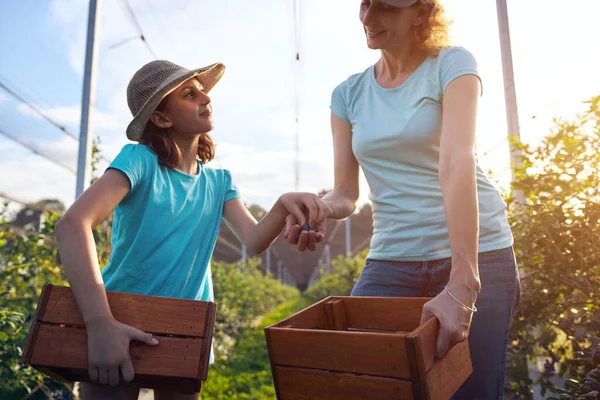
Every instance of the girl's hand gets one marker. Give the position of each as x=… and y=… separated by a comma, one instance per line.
x=307, y=223
x=108, y=350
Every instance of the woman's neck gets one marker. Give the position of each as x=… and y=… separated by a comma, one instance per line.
x=395, y=66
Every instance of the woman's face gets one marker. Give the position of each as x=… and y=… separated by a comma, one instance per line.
x=388, y=27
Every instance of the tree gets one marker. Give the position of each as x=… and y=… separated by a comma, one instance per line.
x=557, y=237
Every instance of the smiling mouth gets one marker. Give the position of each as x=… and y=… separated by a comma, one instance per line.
x=373, y=34
x=206, y=114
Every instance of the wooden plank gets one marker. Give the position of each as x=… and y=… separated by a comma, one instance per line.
x=449, y=373
x=380, y=354
x=336, y=314
x=209, y=326
x=426, y=341
x=420, y=345
x=67, y=348
x=270, y=351
x=148, y=313
x=383, y=313
x=33, y=330
x=30, y=344
x=305, y=384
x=183, y=385
x=313, y=317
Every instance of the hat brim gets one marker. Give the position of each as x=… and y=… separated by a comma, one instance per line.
x=399, y=3
x=208, y=76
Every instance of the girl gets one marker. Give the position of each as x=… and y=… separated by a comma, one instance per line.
x=168, y=206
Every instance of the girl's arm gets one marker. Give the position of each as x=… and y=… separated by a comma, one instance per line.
x=108, y=340
x=257, y=237
x=457, y=176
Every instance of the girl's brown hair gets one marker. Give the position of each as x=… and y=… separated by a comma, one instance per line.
x=169, y=154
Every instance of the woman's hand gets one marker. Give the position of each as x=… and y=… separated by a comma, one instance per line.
x=307, y=223
x=304, y=239
x=455, y=319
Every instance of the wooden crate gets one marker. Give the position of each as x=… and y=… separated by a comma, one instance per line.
x=363, y=348
x=57, y=342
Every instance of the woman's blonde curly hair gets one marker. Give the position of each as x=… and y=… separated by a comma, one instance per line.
x=433, y=34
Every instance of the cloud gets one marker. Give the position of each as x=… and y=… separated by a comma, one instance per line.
x=71, y=115
x=27, y=184
x=2, y=98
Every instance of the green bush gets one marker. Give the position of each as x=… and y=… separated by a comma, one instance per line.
x=557, y=232
x=243, y=294
x=246, y=373
x=341, y=280
x=27, y=261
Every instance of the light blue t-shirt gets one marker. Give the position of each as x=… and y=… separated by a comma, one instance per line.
x=164, y=231
x=396, y=140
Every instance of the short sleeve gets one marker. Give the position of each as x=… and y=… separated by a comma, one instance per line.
x=456, y=62
x=339, y=102
x=134, y=161
x=231, y=190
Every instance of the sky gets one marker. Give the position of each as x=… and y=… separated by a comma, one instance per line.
x=42, y=48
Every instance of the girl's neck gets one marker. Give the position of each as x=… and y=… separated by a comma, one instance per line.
x=189, y=154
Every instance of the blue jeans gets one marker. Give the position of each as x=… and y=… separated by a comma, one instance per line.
x=488, y=338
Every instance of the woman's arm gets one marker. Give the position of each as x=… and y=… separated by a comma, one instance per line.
x=259, y=236
x=108, y=340
x=457, y=176
x=341, y=201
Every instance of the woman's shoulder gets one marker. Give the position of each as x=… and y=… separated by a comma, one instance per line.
x=355, y=80
x=455, y=52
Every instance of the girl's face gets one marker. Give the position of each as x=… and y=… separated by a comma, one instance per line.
x=187, y=110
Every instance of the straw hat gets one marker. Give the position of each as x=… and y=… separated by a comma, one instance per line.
x=154, y=81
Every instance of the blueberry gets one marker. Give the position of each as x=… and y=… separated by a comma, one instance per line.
x=305, y=227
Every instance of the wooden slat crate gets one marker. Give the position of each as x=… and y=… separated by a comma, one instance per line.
x=57, y=342
x=345, y=348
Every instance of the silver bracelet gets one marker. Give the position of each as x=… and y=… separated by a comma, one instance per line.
x=472, y=309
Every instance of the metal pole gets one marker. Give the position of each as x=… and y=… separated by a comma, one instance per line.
x=279, y=267
x=297, y=93
x=348, y=238
x=328, y=258
x=510, y=94
x=87, y=102
x=268, y=260
x=244, y=254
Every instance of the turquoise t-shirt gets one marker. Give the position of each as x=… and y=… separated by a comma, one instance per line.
x=396, y=140
x=165, y=229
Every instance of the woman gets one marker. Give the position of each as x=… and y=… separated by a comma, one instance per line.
x=440, y=226
x=168, y=208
